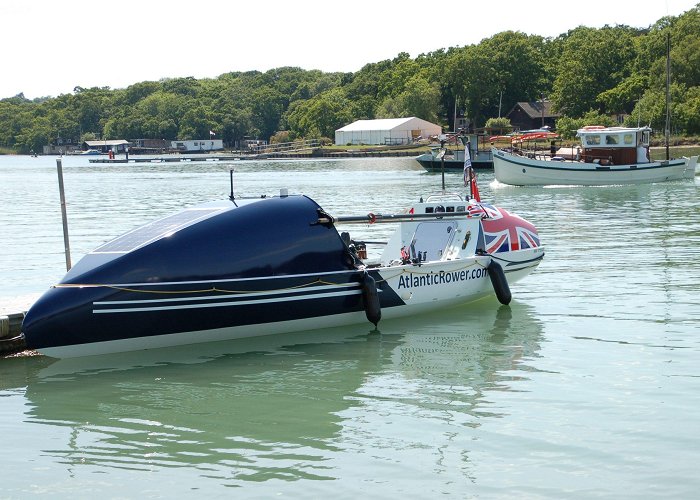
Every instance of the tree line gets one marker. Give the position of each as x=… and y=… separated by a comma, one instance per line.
x=589, y=74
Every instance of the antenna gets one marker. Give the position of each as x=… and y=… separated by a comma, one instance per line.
x=667, y=131
x=64, y=217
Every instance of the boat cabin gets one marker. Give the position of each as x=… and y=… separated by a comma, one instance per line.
x=615, y=145
x=437, y=239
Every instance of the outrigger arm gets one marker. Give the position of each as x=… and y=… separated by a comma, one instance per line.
x=326, y=219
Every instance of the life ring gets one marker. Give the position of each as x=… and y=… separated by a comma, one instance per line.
x=372, y=218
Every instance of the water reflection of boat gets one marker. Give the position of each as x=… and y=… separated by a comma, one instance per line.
x=252, y=267
x=227, y=408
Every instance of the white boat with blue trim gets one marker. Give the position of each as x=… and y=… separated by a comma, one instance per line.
x=607, y=156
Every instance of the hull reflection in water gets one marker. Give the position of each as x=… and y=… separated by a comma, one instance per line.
x=286, y=408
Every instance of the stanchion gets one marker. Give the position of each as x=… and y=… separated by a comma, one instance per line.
x=64, y=216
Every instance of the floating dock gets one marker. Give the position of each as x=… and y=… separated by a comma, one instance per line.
x=164, y=159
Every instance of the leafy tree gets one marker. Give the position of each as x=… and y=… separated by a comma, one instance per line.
x=474, y=81
x=651, y=109
x=138, y=91
x=188, y=86
x=592, y=61
x=622, y=98
x=280, y=137
x=686, y=117
x=392, y=82
x=195, y=124
x=419, y=98
x=267, y=107
x=499, y=125
x=567, y=126
x=517, y=62
x=685, y=60
x=321, y=116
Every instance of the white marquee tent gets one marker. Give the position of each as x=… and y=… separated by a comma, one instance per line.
x=388, y=131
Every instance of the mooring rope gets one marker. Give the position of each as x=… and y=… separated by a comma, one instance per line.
x=204, y=290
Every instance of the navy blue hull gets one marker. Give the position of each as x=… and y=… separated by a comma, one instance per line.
x=436, y=165
x=86, y=315
x=211, y=267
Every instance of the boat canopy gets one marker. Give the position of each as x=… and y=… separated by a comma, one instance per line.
x=266, y=237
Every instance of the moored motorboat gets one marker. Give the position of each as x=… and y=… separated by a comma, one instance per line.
x=608, y=156
x=451, y=158
x=250, y=267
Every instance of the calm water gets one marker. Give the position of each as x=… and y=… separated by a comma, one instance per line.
x=587, y=386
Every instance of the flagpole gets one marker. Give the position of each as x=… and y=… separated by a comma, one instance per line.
x=442, y=171
x=471, y=183
x=467, y=168
x=469, y=175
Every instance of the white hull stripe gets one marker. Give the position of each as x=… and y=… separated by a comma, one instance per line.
x=228, y=303
x=517, y=266
x=227, y=295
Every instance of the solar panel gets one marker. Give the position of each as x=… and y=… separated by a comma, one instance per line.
x=155, y=230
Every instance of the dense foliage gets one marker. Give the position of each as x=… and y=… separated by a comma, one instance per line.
x=588, y=74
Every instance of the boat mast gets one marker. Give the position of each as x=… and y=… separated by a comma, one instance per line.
x=668, y=92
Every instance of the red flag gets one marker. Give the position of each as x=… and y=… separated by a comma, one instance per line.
x=473, y=188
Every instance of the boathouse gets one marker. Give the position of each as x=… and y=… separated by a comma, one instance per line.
x=387, y=131
x=197, y=145
x=117, y=146
x=532, y=115
x=149, y=146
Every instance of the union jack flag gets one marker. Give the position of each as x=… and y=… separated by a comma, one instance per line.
x=506, y=232
x=485, y=210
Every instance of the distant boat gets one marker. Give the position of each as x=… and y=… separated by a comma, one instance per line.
x=91, y=152
x=453, y=157
x=608, y=156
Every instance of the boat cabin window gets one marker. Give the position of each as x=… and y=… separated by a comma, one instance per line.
x=645, y=138
x=592, y=140
x=629, y=138
x=448, y=208
x=611, y=139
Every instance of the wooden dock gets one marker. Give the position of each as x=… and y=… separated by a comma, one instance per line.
x=318, y=153
x=11, y=341
x=164, y=159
